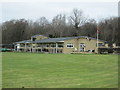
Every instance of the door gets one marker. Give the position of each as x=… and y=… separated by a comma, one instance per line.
x=82, y=47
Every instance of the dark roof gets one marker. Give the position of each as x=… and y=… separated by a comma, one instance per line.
x=53, y=40
x=90, y=38
x=49, y=40
x=62, y=39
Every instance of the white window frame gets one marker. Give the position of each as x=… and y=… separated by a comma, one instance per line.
x=70, y=44
x=82, y=47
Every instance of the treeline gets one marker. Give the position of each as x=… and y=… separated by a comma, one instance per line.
x=61, y=26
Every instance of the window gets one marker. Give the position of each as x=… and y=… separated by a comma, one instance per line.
x=53, y=45
x=33, y=39
x=47, y=45
x=33, y=46
x=28, y=45
x=39, y=45
x=60, y=45
x=100, y=44
x=70, y=45
x=22, y=45
x=82, y=45
x=44, y=45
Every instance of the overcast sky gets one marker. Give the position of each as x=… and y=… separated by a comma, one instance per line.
x=33, y=10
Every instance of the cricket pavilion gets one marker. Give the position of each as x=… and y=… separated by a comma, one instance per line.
x=43, y=44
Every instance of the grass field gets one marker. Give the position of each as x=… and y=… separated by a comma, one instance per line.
x=33, y=70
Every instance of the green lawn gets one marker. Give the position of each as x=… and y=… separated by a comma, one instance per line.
x=34, y=70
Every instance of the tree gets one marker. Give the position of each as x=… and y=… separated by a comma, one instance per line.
x=77, y=19
x=76, y=24
x=89, y=28
x=13, y=30
x=109, y=30
x=58, y=24
x=42, y=21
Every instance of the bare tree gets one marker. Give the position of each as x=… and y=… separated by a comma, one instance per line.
x=42, y=21
x=89, y=28
x=77, y=24
x=58, y=24
x=109, y=29
x=77, y=19
x=40, y=25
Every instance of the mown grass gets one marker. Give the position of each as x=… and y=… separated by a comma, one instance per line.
x=34, y=70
